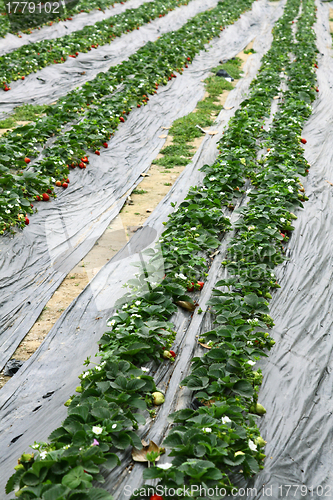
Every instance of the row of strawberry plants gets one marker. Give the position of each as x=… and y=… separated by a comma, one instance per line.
x=82, y=6
x=35, y=56
x=221, y=436
x=135, y=78
x=112, y=397
x=140, y=333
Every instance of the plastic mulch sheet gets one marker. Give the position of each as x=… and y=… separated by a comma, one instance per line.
x=32, y=401
x=11, y=42
x=298, y=381
x=35, y=261
x=52, y=82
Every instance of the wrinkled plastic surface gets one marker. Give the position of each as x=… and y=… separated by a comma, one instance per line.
x=298, y=382
x=52, y=82
x=32, y=401
x=34, y=262
x=12, y=367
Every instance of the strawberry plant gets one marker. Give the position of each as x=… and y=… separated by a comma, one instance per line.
x=81, y=6
x=35, y=56
x=101, y=105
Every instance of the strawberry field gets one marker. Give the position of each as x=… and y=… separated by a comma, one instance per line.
x=196, y=360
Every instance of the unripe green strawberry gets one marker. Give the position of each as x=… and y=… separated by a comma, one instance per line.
x=260, y=441
x=158, y=398
x=258, y=409
x=79, y=388
x=19, y=467
x=26, y=457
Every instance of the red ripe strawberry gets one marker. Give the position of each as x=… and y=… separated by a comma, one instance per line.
x=105, y=144
x=316, y=65
x=173, y=354
x=82, y=165
x=26, y=221
x=201, y=284
x=188, y=58
x=84, y=159
x=27, y=160
x=45, y=197
x=156, y=497
x=76, y=53
x=304, y=141
x=93, y=46
x=186, y=65
x=6, y=89
x=31, y=205
x=49, y=191
x=38, y=198
x=64, y=185
x=23, y=78
x=58, y=183
x=190, y=288
x=73, y=165
x=317, y=90
x=139, y=106
x=122, y=119
x=67, y=180
x=97, y=153
x=283, y=235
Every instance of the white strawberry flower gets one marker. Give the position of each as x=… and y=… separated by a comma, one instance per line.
x=97, y=429
x=225, y=420
x=252, y=446
x=165, y=466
